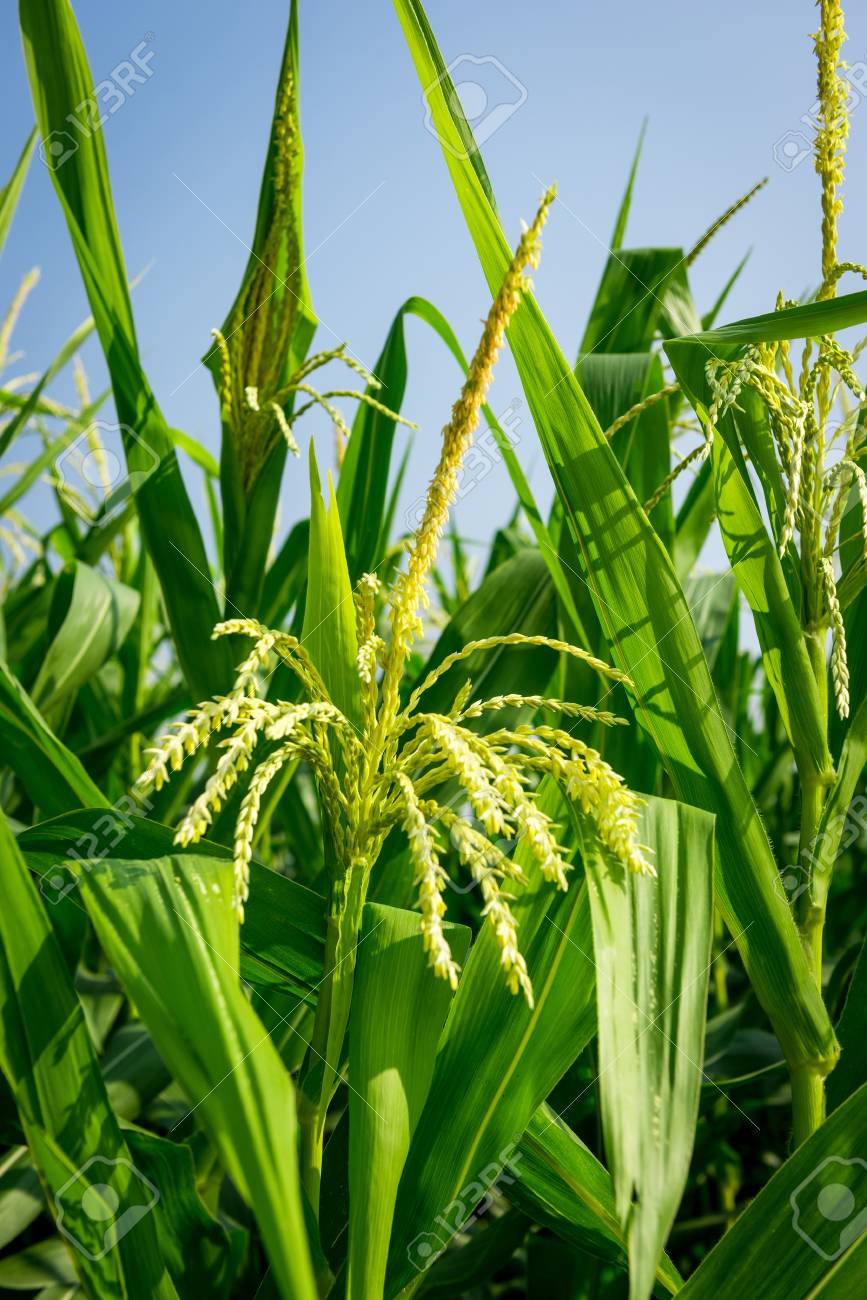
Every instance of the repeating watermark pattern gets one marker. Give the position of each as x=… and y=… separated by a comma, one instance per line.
x=829, y=1208
x=796, y=144
x=469, y=1205
x=488, y=92
x=95, y=477
x=92, y=846
x=841, y=832
x=482, y=456
x=113, y=1193
x=106, y=98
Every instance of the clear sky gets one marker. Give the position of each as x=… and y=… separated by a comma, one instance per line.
x=721, y=84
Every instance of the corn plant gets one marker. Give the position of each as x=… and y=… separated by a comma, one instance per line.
x=374, y=927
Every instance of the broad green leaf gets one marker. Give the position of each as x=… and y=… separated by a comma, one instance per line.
x=501, y=1060
x=645, y=618
x=283, y=936
x=11, y=191
x=168, y=928
x=629, y=300
x=562, y=1185
x=518, y=596
x=89, y=618
x=193, y=1243
x=391, y=1060
x=805, y=1231
x=693, y=523
x=329, y=613
x=710, y=597
x=652, y=941
x=52, y=776
x=61, y=82
x=614, y=382
x=49, y=1062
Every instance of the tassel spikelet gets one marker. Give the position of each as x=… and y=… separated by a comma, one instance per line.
x=799, y=407
x=253, y=352
x=388, y=773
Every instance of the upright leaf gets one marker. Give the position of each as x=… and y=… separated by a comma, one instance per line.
x=651, y=939
x=61, y=83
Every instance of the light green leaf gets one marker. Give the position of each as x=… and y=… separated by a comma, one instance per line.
x=168, y=928
x=391, y=1060
x=651, y=939
x=329, y=614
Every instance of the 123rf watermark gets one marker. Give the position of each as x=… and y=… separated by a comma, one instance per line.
x=93, y=845
x=796, y=144
x=483, y=454
x=488, y=94
x=106, y=98
x=101, y=1203
x=469, y=1205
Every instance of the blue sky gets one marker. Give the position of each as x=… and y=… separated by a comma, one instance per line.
x=721, y=86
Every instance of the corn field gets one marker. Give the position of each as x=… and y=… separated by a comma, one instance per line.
x=377, y=923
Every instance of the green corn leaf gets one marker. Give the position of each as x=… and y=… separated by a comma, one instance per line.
x=11, y=191
x=391, y=1060
x=168, y=928
x=89, y=618
x=646, y=620
x=804, y=1234
x=73, y=1134
x=60, y=80
x=329, y=613
x=52, y=776
x=249, y=513
x=693, y=523
x=614, y=382
x=619, y=232
x=562, y=1185
x=630, y=300
x=651, y=940
x=363, y=485
x=283, y=936
x=710, y=597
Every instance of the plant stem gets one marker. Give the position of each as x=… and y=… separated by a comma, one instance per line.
x=808, y=1102
x=321, y=1073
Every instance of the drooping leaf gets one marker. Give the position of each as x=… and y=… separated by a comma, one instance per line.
x=168, y=927
x=89, y=618
x=53, y=777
